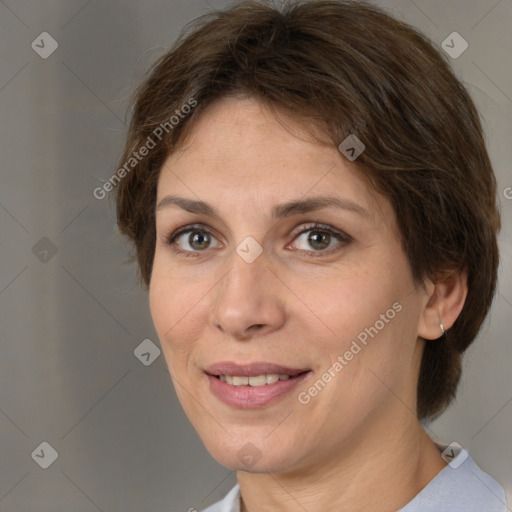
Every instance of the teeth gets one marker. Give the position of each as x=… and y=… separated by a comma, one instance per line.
x=259, y=380
x=271, y=378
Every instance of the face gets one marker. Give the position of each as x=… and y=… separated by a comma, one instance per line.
x=274, y=257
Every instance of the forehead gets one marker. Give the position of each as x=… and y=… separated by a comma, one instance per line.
x=238, y=148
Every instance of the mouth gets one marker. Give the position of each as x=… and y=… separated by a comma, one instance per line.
x=256, y=380
x=253, y=385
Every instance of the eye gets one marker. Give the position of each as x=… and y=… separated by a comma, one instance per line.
x=317, y=238
x=190, y=239
x=320, y=239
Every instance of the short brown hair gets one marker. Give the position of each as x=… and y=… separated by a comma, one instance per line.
x=349, y=68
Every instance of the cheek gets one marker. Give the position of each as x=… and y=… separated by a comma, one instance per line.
x=378, y=361
x=175, y=316
x=347, y=301
x=368, y=321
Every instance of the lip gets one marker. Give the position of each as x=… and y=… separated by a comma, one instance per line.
x=250, y=397
x=252, y=369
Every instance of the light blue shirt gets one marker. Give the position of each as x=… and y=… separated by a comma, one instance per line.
x=460, y=487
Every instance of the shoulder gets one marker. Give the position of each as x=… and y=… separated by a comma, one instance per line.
x=230, y=503
x=460, y=487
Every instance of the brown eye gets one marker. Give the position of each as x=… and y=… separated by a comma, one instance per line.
x=198, y=240
x=319, y=239
x=191, y=239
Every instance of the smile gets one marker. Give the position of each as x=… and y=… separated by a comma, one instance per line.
x=250, y=386
x=258, y=380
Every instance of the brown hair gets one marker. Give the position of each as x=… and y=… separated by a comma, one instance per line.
x=349, y=68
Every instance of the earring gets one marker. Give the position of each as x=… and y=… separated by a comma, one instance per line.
x=442, y=327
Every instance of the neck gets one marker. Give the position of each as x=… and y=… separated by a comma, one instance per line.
x=378, y=470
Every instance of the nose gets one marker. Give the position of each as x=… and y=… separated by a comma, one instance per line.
x=249, y=299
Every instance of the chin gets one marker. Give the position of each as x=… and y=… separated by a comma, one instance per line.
x=252, y=456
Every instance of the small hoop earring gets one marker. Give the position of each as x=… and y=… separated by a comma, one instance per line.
x=442, y=327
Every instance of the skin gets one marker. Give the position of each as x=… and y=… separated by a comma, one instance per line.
x=357, y=445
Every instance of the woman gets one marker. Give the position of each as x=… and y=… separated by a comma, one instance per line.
x=299, y=186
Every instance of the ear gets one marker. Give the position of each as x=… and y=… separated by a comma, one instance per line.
x=443, y=303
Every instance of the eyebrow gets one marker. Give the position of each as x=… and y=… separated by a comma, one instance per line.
x=279, y=211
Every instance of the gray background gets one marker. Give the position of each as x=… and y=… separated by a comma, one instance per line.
x=69, y=325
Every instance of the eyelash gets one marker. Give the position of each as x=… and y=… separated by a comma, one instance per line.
x=322, y=228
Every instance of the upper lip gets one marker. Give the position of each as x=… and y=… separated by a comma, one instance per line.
x=252, y=369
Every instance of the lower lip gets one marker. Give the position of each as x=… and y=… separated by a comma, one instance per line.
x=248, y=397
